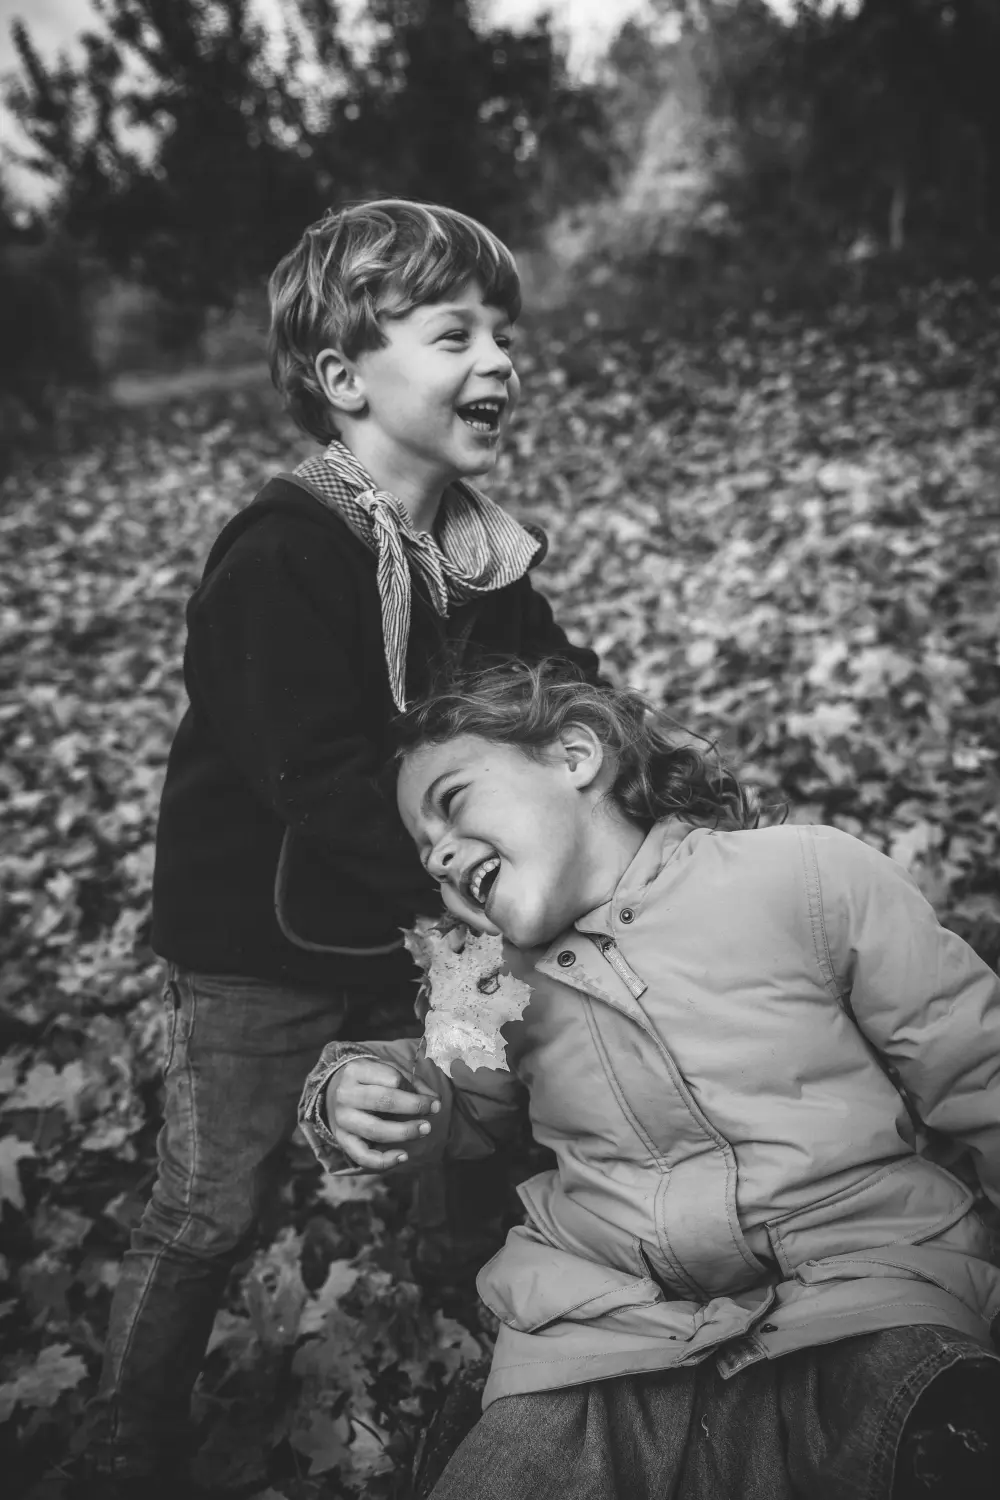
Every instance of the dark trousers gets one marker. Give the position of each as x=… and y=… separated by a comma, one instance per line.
x=238, y=1055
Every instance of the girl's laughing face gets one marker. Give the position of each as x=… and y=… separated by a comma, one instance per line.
x=514, y=840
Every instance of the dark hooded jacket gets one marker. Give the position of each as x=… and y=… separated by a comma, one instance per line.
x=279, y=851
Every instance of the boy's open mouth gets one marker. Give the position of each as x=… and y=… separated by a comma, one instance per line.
x=484, y=415
x=481, y=879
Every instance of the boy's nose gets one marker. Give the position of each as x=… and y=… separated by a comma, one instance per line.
x=494, y=361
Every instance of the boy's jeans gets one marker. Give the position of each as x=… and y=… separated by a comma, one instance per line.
x=238, y=1055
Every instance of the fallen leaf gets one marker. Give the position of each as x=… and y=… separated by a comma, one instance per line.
x=369, y=1455
x=42, y=1383
x=471, y=996
x=324, y=1441
x=360, y=1187
x=275, y=1292
x=340, y=1278
x=12, y=1151
x=45, y=1087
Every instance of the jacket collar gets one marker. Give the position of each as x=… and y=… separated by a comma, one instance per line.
x=575, y=957
x=656, y=850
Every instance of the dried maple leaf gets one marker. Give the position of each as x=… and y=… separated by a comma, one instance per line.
x=471, y=995
x=12, y=1151
x=56, y=1369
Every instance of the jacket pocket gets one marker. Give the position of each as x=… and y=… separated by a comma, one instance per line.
x=171, y=1003
x=910, y=1201
x=304, y=902
x=530, y=1284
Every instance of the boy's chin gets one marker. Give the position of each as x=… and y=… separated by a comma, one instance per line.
x=479, y=456
x=477, y=467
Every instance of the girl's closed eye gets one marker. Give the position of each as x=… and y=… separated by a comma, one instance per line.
x=448, y=797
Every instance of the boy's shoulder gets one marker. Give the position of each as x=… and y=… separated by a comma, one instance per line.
x=285, y=517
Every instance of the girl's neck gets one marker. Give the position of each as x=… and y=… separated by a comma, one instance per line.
x=617, y=841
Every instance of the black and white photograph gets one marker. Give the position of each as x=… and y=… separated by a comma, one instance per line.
x=500, y=749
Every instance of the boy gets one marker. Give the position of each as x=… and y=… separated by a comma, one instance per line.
x=282, y=873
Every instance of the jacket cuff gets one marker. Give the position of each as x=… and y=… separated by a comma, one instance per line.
x=312, y=1118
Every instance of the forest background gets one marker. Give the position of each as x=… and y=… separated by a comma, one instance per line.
x=761, y=361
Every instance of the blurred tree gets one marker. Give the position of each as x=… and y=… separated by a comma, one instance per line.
x=486, y=121
x=191, y=145
x=849, y=122
x=882, y=115
x=637, y=75
x=45, y=346
x=169, y=147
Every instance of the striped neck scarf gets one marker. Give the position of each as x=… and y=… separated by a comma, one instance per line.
x=478, y=547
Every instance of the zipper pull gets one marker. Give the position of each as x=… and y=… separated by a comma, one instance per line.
x=609, y=950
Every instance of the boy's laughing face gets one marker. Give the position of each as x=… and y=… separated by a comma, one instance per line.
x=438, y=395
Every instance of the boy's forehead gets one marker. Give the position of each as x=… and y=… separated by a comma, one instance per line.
x=467, y=297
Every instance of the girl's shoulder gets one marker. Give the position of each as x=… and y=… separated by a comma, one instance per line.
x=771, y=840
x=810, y=856
x=841, y=877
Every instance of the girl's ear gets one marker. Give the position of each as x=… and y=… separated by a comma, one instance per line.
x=582, y=753
x=340, y=382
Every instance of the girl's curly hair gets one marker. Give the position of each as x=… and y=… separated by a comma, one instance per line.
x=657, y=774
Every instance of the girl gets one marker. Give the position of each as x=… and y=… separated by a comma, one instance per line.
x=771, y=1082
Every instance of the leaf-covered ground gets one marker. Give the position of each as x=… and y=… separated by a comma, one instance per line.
x=789, y=531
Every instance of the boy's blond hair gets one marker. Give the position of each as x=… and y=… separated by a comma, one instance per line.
x=353, y=269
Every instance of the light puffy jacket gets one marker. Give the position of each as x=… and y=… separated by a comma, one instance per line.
x=771, y=1081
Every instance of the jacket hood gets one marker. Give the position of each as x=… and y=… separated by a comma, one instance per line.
x=286, y=496
x=289, y=495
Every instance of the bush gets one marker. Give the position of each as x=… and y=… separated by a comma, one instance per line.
x=46, y=351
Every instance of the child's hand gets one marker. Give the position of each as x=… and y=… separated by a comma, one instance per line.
x=357, y=1098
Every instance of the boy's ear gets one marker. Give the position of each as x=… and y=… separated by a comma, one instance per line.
x=583, y=754
x=340, y=382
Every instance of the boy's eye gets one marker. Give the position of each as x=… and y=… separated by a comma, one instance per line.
x=456, y=333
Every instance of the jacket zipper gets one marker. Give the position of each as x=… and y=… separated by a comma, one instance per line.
x=610, y=950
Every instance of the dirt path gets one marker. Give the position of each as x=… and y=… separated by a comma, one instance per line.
x=133, y=390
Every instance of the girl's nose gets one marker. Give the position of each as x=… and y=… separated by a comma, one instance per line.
x=440, y=859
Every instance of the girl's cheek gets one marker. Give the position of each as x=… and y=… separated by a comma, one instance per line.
x=472, y=916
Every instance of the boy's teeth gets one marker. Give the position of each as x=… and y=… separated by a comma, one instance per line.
x=483, y=415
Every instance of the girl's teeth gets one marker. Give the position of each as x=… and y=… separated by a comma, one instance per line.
x=486, y=868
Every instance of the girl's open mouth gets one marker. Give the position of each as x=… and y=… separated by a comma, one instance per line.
x=483, y=416
x=482, y=878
